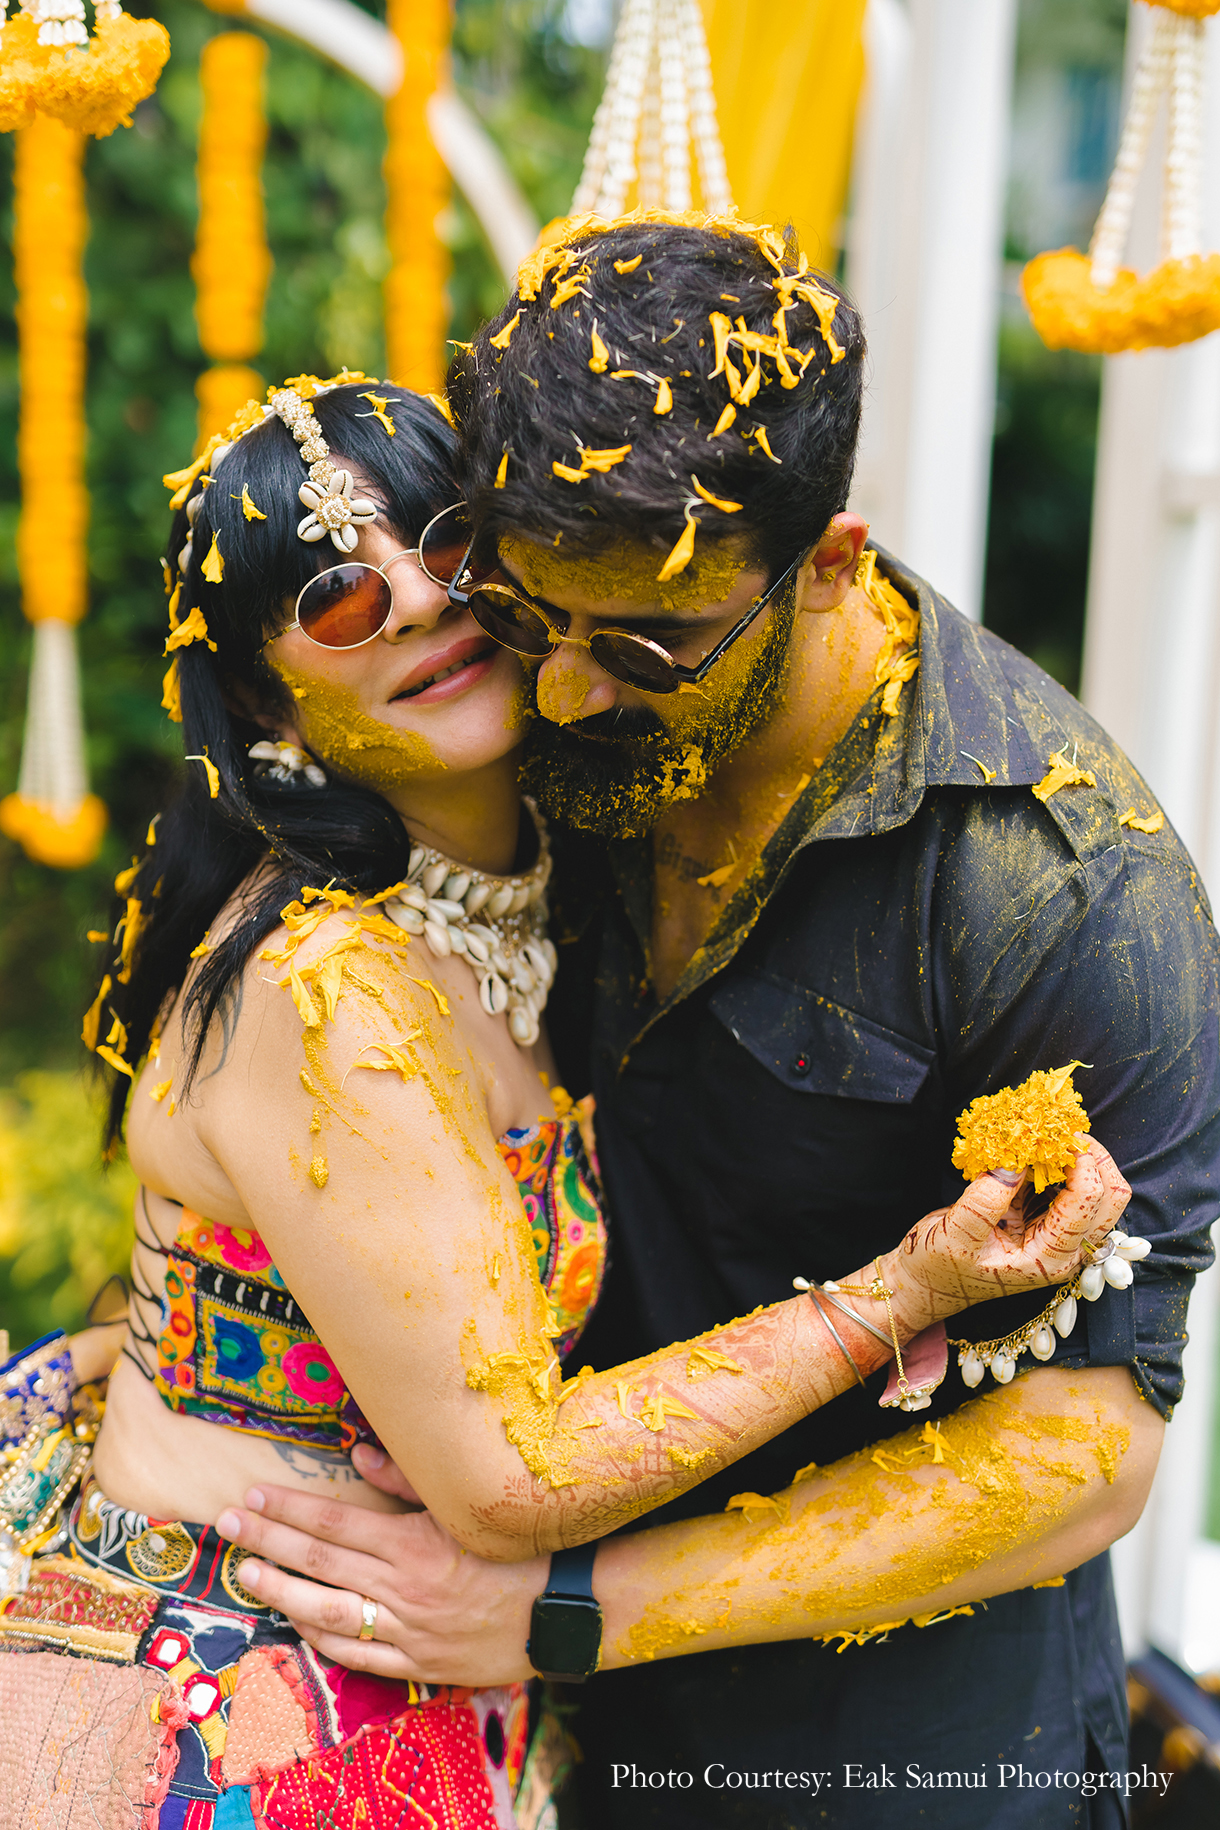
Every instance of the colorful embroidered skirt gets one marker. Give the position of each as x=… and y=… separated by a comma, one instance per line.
x=142, y=1688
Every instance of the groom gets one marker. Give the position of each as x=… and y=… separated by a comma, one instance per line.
x=812, y=898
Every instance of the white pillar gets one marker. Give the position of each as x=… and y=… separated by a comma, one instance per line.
x=1152, y=677
x=925, y=258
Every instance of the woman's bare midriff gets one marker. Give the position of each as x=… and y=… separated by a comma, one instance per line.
x=173, y=1467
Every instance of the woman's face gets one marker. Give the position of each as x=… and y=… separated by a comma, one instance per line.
x=381, y=714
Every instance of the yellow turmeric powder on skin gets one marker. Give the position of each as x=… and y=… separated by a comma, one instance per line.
x=1030, y=1127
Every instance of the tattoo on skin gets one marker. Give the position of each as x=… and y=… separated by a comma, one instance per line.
x=228, y=1013
x=316, y=1464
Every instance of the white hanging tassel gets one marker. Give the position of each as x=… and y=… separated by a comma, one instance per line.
x=1093, y=303
x=52, y=814
x=658, y=99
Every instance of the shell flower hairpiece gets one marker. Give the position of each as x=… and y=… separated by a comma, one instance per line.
x=327, y=493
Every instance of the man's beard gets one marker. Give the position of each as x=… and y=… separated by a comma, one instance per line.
x=616, y=773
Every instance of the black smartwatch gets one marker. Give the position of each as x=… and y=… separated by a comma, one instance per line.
x=565, y=1642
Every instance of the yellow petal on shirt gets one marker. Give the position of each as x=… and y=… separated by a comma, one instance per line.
x=1153, y=823
x=1062, y=774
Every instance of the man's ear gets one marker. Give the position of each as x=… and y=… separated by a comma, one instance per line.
x=826, y=576
x=242, y=699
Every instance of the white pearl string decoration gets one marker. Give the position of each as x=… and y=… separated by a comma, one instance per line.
x=1171, y=60
x=658, y=99
x=1110, y=1265
x=497, y=924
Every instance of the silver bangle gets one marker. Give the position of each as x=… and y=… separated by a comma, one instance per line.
x=836, y=1337
x=885, y=1339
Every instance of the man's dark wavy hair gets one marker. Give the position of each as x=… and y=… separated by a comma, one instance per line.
x=206, y=848
x=538, y=401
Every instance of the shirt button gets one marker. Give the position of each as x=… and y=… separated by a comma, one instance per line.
x=801, y=1065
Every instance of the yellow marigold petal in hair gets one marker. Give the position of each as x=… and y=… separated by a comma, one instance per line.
x=213, y=567
x=171, y=697
x=502, y=472
x=192, y=628
x=728, y=508
x=504, y=337
x=248, y=506
x=599, y=361
x=681, y=554
x=212, y=773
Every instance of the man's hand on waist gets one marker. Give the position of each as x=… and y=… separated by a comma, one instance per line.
x=443, y=1614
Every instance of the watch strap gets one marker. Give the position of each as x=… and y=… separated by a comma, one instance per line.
x=572, y=1573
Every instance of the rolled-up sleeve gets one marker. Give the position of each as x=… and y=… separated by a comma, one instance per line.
x=1110, y=960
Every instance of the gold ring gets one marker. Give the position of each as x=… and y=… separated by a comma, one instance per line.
x=368, y=1610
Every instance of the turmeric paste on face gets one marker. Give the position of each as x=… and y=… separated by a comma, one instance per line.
x=333, y=722
x=628, y=572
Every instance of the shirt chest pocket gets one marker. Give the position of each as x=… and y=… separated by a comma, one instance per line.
x=814, y=1046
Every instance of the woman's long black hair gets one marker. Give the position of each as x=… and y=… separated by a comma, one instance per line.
x=205, y=848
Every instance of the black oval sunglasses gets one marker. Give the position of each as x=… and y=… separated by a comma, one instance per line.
x=350, y=604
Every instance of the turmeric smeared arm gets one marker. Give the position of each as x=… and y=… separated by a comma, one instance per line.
x=1018, y=1487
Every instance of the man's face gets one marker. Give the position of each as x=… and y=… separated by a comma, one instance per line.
x=608, y=757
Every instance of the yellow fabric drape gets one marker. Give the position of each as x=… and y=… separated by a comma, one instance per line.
x=232, y=263
x=50, y=228
x=787, y=82
x=417, y=190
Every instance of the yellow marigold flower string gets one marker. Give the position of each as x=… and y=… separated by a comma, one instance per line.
x=417, y=191
x=232, y=263
x=54, y=96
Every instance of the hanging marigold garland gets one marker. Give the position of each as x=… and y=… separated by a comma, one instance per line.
x=232, y=263
x=92, y=89
x=1091, y=302
x=54, y=96
x=52, y=814
x=417, y=190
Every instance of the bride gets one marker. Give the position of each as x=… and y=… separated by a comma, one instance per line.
x=368, y=1214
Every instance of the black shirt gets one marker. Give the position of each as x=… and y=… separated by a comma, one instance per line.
x=920, y=930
